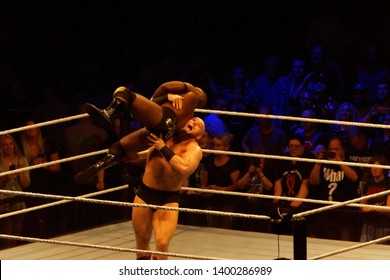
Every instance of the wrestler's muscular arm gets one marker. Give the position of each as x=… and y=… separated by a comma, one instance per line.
x=174, y=87
x=167, y=91
x=170, y=91
x=185, y=163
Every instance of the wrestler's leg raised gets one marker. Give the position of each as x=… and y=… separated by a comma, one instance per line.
x=129, y=144
x=142, y=109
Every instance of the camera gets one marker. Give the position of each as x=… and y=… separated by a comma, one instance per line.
x=255, y=162
x=329, y=155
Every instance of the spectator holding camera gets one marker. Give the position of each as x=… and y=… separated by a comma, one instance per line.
x=256, y=178
x=317, y=83
x=334, y=182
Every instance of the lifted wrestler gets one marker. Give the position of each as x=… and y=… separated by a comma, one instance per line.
x=167, y=168
x=178, y=101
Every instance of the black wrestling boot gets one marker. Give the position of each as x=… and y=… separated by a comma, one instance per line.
x=85, y=176
x=103, y=118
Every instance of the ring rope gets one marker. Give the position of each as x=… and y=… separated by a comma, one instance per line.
x=255, y=195
x=85, y=245
x=47, y=205
x=235, y=153
x=349, y=163
x=30, y=167
x=18, y=129
x=333, y=205
x=379, y=240
x=291, y=118
x=27, y=168
x=129, y=204
x=342, y=203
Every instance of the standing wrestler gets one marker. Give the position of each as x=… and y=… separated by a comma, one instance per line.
x=172, y=105
x=167, y=168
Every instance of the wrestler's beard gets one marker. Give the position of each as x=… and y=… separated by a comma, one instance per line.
x=182, y=135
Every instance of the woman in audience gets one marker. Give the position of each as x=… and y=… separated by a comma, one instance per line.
x=12, y=158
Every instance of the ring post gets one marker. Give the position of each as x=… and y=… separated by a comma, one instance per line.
x=300, y=234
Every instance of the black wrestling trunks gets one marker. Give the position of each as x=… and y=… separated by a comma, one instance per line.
x=157, y=197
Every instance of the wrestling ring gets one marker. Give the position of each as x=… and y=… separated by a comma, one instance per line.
x=117, y=241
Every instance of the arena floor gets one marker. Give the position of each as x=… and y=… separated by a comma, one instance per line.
x=190, y=240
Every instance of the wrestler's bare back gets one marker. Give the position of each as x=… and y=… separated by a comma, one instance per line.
x=160, y=174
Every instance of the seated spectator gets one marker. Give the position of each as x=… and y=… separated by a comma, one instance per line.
x=360, y=100
x=346, y=112
x=217, y=124
x=293, y=176
x=326, y=100
x=376, y=222
x=306, y=101
x=236, y=80
x=221, y=173
x=255, y=179
x=268, y=88
x=238, y=126
x=321, y=63
x=360, y=149
x=290, y=83
x=322, y=99
x=382, y=139
x=382, y=104
x=380, y=108
x=315, y=139
x=270, y=139
x=37, y=150
x=11, y=158
x=372, y=71
x=294, y=99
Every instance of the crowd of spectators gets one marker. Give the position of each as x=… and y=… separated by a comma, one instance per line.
x=330, y=67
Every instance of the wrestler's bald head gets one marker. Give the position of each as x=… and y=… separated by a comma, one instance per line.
x=201, y=124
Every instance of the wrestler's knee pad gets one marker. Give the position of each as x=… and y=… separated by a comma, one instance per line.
x=167, y=124
x=124, y=94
